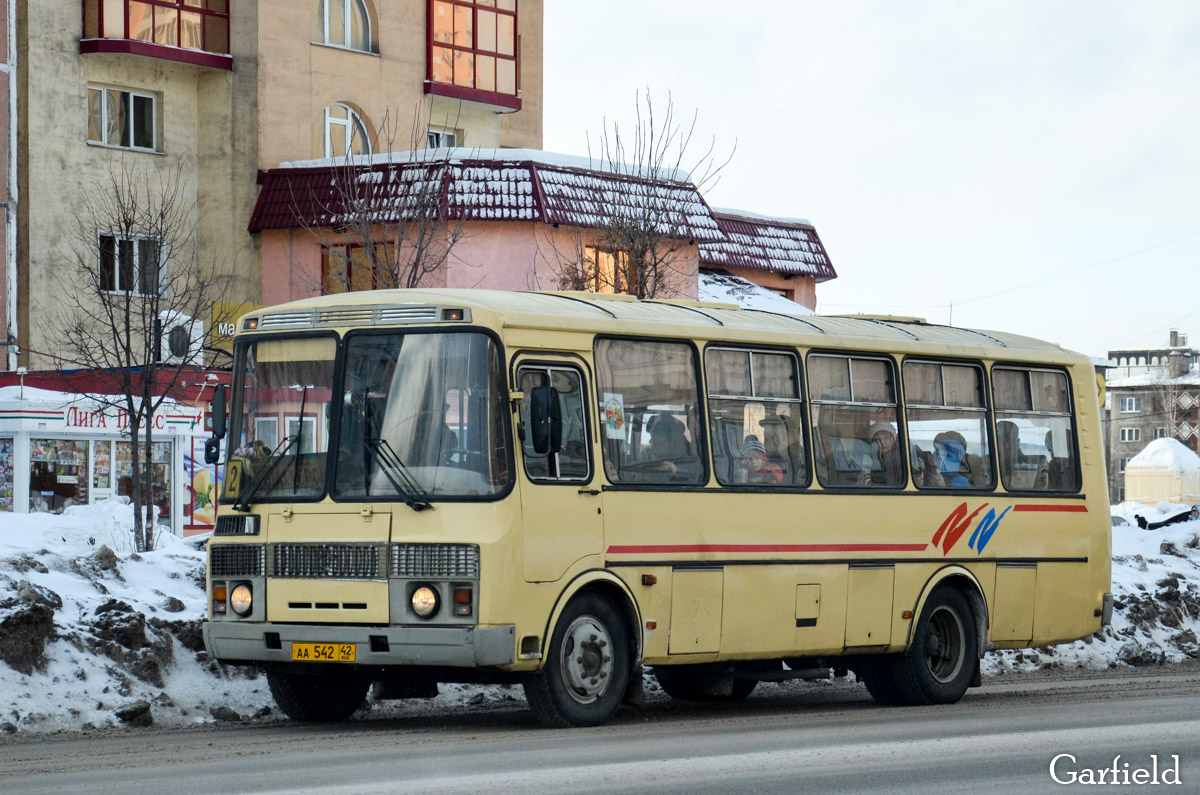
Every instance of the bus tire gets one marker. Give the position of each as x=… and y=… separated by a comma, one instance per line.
x=939, y=666
x=699, y=683
x=330, y=696
x=876, y=674
x=587, y=666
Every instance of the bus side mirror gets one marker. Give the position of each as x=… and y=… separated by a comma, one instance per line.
x=545, y=419
x=212, y=450
x=212, y=445
x=218, y=412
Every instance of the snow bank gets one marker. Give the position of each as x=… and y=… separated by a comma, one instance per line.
x=113, y=629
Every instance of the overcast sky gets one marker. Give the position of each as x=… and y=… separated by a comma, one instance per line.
x=945, y=151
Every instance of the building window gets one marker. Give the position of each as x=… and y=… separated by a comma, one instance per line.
x=347, y=268
x=441, y=139
x=125, y=119
x=187, y=24
x=1160, y=433
x=1131, y=405
x=1131, y=434
x=345, y=23
x=474, y=45
x=131, y=264
x=1121, y=464
x=607, y=271
x=345, y=133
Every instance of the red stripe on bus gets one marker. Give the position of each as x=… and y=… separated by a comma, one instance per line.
x=686, y=548
x=1052, y=508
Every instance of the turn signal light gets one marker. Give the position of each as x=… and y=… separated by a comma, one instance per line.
x=218, y=598
x=462, y=601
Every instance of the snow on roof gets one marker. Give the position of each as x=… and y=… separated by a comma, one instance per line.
x=1166, y=455
x=482, y=185
x=1155, y=377
x=768, y=244
x=464, y=154
x=728, y=289
x=758, y=216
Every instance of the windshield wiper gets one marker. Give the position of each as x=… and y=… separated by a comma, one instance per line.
x=242, y=503
x=396, y=472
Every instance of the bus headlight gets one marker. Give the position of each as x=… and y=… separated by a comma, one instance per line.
x=425, y=601
x=241, y=599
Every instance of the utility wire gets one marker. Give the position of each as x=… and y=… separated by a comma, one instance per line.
x=1077, y=270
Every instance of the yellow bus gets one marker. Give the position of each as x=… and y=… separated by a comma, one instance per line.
x=557, y=489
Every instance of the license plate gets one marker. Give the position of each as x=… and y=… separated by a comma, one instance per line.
x=323, y=652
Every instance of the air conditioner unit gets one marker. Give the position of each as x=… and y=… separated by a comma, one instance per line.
x=180, y=338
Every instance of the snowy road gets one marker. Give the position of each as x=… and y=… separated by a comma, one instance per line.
x=821, y=738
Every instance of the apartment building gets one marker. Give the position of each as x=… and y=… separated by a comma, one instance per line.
x=216, y=91
x=1152, y=393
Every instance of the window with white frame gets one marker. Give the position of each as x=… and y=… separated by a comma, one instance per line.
x=345, y=133
x=1160, y=433
x=1130, y=405
x=438, y=139
x=266, y=430
x=346, y=23
x=1131, y=434
x=1121, y=464
x=131, y=264
x=124, y=119
x=308, y=434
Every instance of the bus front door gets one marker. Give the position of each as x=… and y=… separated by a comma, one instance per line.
x=561, y=507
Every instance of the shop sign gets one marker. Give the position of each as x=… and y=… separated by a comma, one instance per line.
x=81, y=418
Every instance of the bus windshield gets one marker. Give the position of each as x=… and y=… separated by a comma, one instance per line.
x=286, y=389
x=422, y=416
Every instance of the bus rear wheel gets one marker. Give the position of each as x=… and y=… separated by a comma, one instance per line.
x=317, y=698
x=587, y=666
x=701, y=683
x=939, y=666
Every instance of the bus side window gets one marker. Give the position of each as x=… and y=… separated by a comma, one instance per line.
x=756, y=417
x=1035, y=443
x=649, y=397
x=855, y=424
x=947, y=420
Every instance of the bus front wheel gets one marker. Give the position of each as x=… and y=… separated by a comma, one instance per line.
x=329, y=696
x=939, y=666
x=587, y=666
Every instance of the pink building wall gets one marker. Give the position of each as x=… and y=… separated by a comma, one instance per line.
x=490, y=255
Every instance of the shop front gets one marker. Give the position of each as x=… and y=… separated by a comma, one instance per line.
x=59, y=450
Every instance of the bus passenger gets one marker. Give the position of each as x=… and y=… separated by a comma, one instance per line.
x=756, y=466
x=951, y=454
x=892, y=473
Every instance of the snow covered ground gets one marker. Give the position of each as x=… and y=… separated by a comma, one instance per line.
x=90, y=629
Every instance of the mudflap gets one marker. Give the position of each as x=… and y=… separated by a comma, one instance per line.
x=635, y=692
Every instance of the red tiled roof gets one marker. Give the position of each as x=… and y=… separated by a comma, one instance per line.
x=767, y=244
x=483, y=189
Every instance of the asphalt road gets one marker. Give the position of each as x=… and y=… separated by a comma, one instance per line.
x=801, y=737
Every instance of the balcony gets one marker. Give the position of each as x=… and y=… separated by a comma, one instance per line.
x=191, y=31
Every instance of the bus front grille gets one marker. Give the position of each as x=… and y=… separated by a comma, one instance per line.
x=328, y=561
x=237, y=560
x=435, y=560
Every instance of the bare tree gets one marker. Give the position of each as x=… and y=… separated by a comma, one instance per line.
x=135, y=263
x=645, y=222
x=386, y=220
